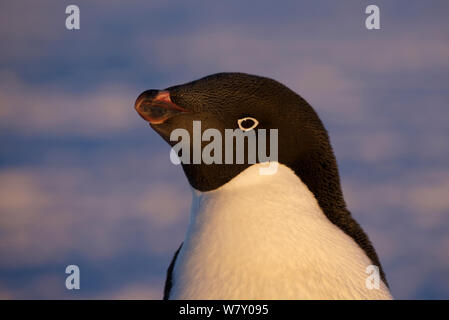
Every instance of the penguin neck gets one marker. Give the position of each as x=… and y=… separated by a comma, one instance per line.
x=263, y=237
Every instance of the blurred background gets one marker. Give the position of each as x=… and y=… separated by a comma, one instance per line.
x=85, y=181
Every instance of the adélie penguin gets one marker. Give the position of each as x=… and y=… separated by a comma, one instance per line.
x=286, y=235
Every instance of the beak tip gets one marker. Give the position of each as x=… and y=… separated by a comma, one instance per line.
x=156, y=106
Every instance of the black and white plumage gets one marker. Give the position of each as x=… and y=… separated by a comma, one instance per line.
x=251, y=236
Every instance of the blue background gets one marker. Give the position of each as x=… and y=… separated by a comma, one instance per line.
x=83, y=180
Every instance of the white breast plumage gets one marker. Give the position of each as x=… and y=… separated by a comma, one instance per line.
x=266, y=237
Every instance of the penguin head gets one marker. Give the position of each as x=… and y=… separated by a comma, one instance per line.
x=240, y=101
x=246, y=102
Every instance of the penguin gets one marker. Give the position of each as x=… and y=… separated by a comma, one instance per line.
x=287, y=235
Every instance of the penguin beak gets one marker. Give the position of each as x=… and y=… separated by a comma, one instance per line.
x=156, y=106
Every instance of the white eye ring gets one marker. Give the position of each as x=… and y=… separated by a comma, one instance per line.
x=240, y=121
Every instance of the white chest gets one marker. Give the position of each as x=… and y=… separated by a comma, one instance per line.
x=265, y=237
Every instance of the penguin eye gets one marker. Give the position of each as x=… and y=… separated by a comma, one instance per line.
x=247, y=123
